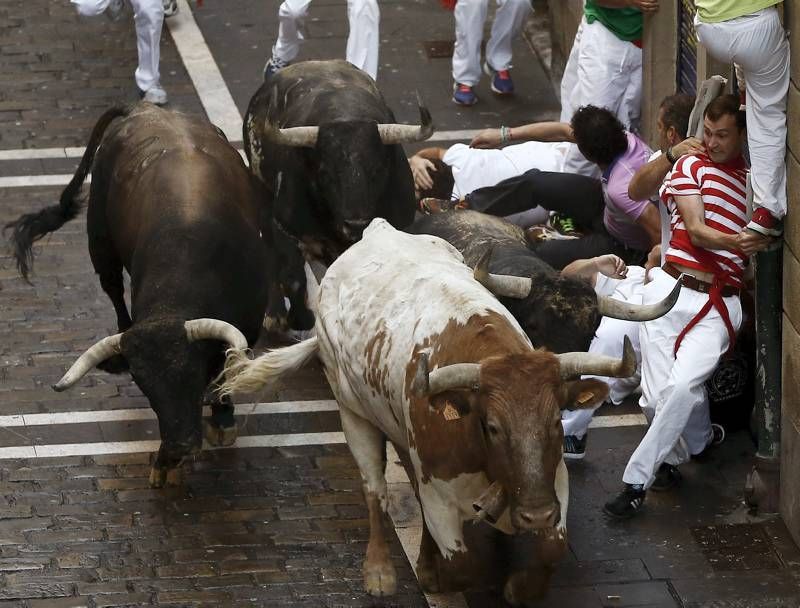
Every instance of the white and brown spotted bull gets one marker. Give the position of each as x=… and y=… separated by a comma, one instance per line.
x=419, y=352
x=171, y=202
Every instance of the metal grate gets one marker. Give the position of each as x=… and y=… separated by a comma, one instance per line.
x=737, y=547
x=438, y=49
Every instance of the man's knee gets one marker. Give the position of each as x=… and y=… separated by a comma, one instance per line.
x=90, y=8
x=293, y=10
x=148, y=12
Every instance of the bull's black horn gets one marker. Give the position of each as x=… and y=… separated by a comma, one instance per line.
x=609, y=307
x=580, y=364
x=97, y=353
x=502, y=285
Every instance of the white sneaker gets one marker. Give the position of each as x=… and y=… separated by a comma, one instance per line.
x=115, y=10
x=156, y=95
x=170, y=8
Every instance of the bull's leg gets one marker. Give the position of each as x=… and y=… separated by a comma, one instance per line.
x=109, y=269
x=562, y=494
x=427, y=574
x=220, y=429
x=368, y=446
x=165, y=471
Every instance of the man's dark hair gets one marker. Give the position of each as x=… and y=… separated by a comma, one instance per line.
x=599, y=134
x=442, y=181
x=726, y=104
x=676, y=111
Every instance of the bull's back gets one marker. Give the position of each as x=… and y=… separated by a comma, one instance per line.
x=388, y=296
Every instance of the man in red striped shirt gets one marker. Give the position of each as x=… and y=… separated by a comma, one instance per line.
x=709, y=246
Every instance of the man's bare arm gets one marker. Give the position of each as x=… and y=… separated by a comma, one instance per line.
x=432, y=153
x=646, y=6
x=537, y=131
x=648, y=179
x=693, y=216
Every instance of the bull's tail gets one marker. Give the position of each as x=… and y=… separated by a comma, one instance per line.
x=30, y=227
x=249, y=375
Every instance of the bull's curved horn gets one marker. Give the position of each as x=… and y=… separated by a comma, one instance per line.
x=458, y=375
x=96, y=354
x=577, y=364
x=609, y=307
x=214, y=329
x=399, y=134
x=503, y=285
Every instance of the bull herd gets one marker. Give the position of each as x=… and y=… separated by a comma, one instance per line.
x=451, y=339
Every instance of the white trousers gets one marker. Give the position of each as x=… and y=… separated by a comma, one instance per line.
x=148, y=15
x=362, y=42
x=759, y=45
x=673, y=391
x=603, y=71
x=470, y=16
x=608, y=340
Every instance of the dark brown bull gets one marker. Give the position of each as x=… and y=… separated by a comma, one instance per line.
x=171, y=202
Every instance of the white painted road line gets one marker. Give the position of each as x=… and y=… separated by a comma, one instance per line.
x=26, y=181
x=136, y=447
x=145, y=413
x=242, y=409
x=607, y=422
x=205, y=75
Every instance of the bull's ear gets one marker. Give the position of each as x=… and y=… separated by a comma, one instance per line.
x=584, y=394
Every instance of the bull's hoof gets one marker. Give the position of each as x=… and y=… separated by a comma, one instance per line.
x=380, y=579
x=162, y=476
x=428, y=577
x=528, y=586
x=220, y=436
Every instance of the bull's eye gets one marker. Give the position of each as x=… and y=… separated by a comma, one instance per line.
x=492, y=429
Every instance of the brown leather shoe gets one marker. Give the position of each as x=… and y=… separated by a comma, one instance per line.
x=431, y=205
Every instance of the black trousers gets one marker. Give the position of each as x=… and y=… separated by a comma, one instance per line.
x=576, y=196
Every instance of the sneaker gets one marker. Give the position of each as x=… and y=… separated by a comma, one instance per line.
x=501, y=80
x=564, y=225
x=155, y=95
x=667, y=477
x=115, y=10
x=765, y=223
x=431, y=205
x=170, y=8
x=463, y=95
x=574, y=448
x=717, y=437
x=273, y=66
x=627, y=504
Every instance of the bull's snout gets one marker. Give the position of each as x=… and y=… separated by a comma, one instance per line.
x=525, y=519
x=353, y=229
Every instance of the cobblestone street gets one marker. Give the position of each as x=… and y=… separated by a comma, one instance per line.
x=279, y=520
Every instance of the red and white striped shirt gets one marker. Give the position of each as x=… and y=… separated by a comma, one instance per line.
x=722, y=188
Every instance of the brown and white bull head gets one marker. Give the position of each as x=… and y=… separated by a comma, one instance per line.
x=515, y=404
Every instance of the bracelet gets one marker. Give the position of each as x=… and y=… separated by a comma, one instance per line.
x=505, y=134
x=669, y=156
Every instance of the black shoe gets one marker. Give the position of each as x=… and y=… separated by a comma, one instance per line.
x=574, y=448
x=626, y=505
x=667, y=477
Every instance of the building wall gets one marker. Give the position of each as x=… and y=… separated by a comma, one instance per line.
x=790, y=401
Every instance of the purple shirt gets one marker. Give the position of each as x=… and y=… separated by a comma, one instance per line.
x=621, y=212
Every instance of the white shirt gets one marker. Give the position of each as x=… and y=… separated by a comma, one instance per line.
x=475, y=168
